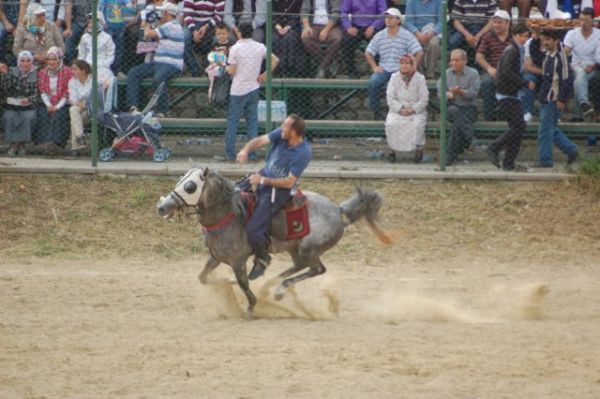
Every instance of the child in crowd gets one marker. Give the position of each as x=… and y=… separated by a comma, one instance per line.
x=217, y=58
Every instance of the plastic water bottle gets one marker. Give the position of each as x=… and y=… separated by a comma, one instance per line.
x=204, y=141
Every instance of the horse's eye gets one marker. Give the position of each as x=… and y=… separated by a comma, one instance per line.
x=190, y=187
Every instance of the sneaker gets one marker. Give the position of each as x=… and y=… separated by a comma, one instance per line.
x=134, y=110
x=12, y=152
x=81, y=140
x=493, y=157
x=320, y=74
x=527, y=117
x=572, y=158
x=586, y=108
x=509, y=168
x=260, y=265
x=391, y=157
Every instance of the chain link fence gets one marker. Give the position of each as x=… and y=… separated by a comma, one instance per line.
x=371, y=84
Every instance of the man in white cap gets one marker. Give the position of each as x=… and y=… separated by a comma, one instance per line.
x=389, y=45
x=488, y=56
x=168, y=59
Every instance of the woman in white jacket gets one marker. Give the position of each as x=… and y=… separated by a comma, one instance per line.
x=106, y=49
x=407, y=98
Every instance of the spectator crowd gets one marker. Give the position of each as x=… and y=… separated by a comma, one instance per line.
x=46, y=58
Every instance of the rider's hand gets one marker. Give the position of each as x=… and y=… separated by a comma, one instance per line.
x=242, y=157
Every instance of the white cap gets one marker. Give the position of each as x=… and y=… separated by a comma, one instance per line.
x=393, y=12
x=170, y=8
x=502, y=15
x=36, y=9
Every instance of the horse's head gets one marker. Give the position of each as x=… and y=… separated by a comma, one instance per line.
x=187, y=192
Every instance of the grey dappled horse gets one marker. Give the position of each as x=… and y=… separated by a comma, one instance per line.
x=221, y=212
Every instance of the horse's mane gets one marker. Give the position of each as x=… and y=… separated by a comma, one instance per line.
x=227, y=192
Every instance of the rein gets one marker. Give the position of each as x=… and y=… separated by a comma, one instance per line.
x=228, y=218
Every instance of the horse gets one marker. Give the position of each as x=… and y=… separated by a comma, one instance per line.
x=221, y=212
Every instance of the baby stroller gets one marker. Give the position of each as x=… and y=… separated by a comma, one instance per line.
x=137, y=133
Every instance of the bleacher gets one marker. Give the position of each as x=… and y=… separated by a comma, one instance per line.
x=329, y=127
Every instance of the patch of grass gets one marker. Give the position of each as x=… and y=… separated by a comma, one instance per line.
x=589, y=175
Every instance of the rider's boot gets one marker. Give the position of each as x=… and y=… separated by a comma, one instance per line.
x=262, y=259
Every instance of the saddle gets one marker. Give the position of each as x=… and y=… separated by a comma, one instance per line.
x=290, y=222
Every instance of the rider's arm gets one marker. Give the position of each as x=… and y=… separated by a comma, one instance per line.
x=281, y=182
x=252, y=145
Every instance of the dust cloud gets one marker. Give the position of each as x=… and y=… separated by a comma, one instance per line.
x=523, y=302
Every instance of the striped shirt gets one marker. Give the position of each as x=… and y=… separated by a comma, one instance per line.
x=473, y=11
x=201, y=12
x=390, y=49
x=170, y=44
x=492, y=47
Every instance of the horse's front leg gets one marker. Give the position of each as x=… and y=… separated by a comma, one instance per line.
x=239, y=268
x=210, y=265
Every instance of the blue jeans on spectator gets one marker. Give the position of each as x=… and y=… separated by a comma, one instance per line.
x=527, y=95
x=377, y=81
x=160, y=72
x=72, y=42
x=118, y=36
x=488, y=94
x=53, y=127
x=457, y=40
x=248, y=104
x=581, y=85
x=549, y=134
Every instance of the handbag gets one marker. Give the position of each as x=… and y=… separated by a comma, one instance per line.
x=219, y=96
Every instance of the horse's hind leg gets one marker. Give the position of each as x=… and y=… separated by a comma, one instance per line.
x=210, y=265
x=316, y=268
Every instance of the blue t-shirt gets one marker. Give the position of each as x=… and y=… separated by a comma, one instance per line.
x=283, y=160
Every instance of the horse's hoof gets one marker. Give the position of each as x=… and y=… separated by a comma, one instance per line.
x=250, y=314
x=279, y=293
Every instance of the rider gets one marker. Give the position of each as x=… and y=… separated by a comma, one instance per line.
x=287, y=159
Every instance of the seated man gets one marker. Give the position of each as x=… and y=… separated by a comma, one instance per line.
x=389, y=45
x=424, y=20
x=524, y=7
x=252, y=12
x=289, y=156
x=470, y=20
x=9, y=15
x=532, y=72
x=200, y=19
x=488, y=56
x=168, y=60
x=76, y=21
x=463, y=87
x=581, y=44
x=322, y=29
x=360, y=21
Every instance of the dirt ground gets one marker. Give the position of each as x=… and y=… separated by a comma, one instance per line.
x=490, y=290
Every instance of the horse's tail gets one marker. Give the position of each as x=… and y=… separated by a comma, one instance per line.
x=365, y=204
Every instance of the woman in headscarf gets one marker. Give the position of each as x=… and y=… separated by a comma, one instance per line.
x=407, y=98
x=53, y=83
x=37, y=35
x=20, y=99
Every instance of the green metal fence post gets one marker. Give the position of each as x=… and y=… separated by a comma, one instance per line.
x=268, y=83
x=443, y=86
x=94, y=115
